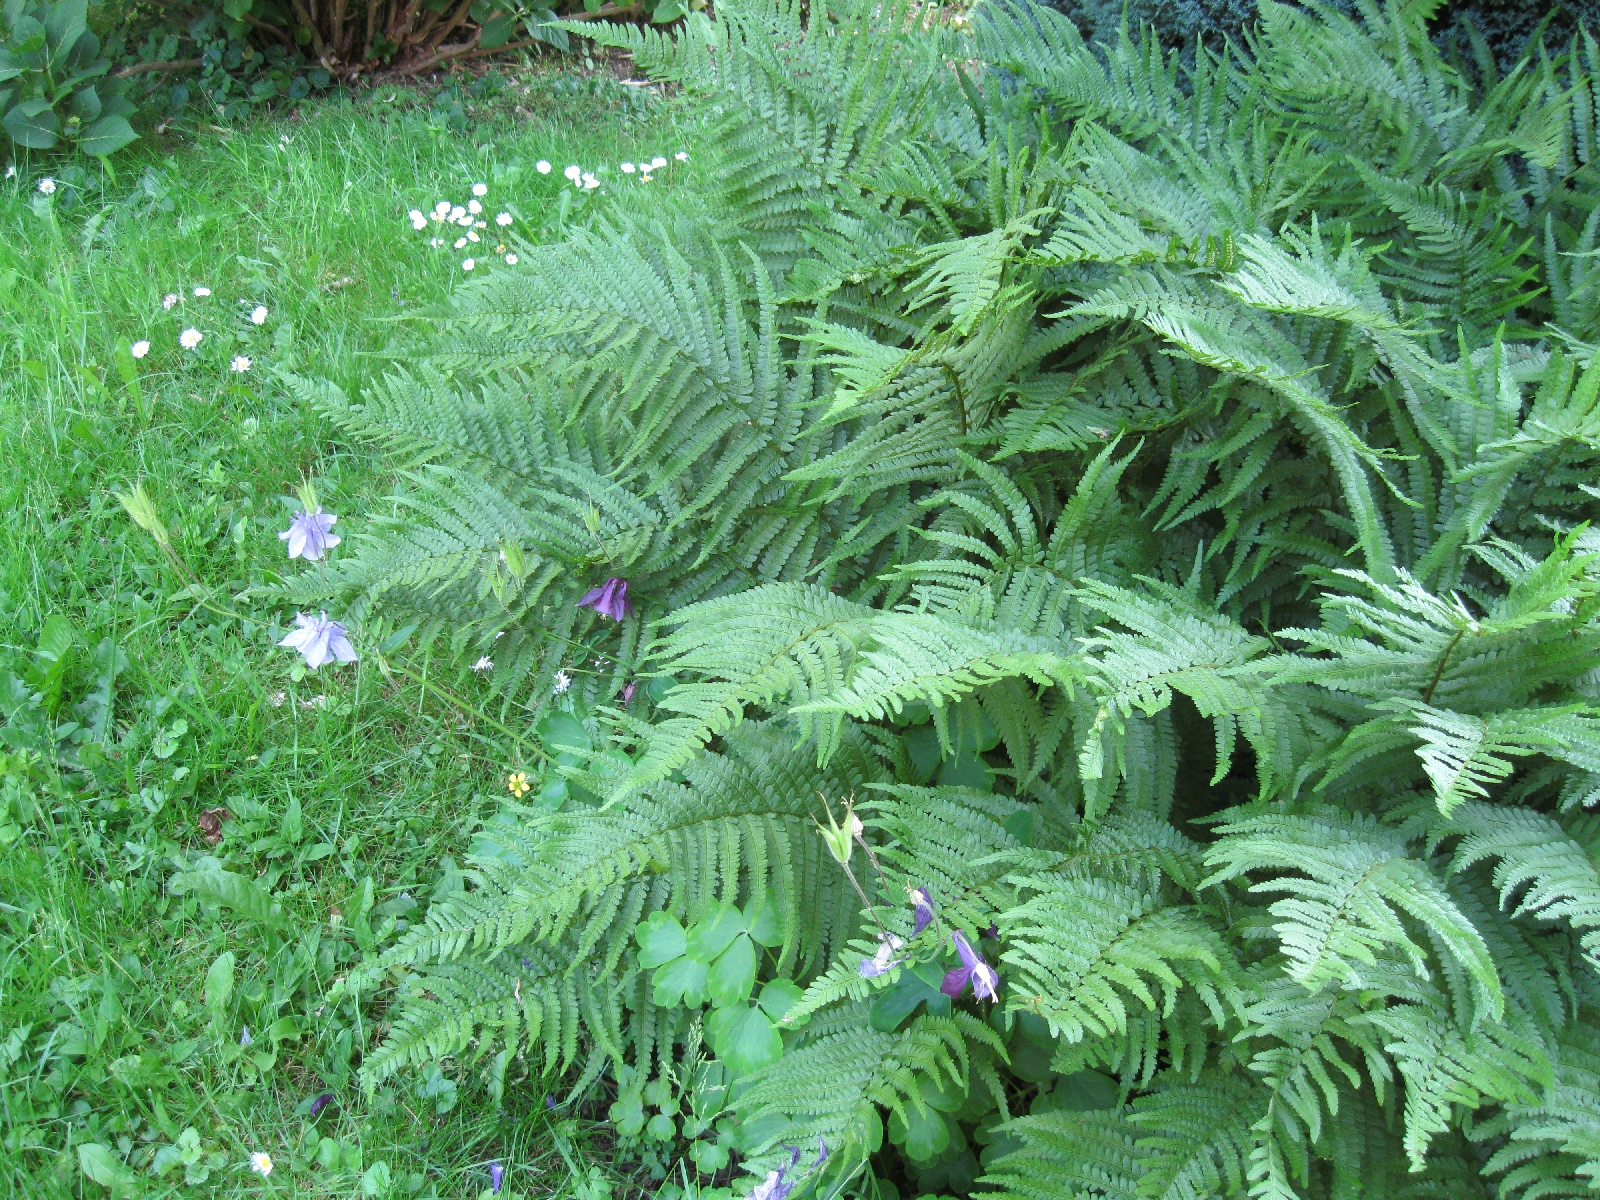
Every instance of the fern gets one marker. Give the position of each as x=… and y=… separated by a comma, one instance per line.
x=1153, y=495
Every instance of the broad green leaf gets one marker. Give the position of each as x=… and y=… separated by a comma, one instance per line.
x=681, y=981
x=245, y=897
x=778, y=996
x=106, y=136
x=36, y=130
x=661, y=939
x=710, y=935
x=897, y=1002
x=734, y=973
x=101, y=1164
x=744, y=1039
x=219, y=984
x=761, y=921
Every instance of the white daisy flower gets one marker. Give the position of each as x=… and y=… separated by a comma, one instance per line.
x=437, y=215
x=646, y=177
x=480, y=224
x=563, y=681
x=480, y=189
x=628, y=168
x=47, y=186
x=483, y=664
x=574, y=172
x=169, y=299
x=258, y=315
x=681, y=156
x=139, y=349
x=415, y=215
x=202, y=291
x=589, y=181
x=469, y=264
x=542, y=167
x=503, y=219
x=240, y=363
x=657, y=163
x=460, y=242
x=420, y=223
x=457, y=213
x=473, y=236
x=435, y=241
x=190, y=338
x=511, y=260
x=261, y=1163
x=475, y=206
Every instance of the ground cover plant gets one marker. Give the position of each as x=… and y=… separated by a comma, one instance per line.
x=151, y=1038
x=1048, y=602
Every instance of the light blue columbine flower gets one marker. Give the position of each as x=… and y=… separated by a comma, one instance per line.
x=309, y=535
x=320, y=640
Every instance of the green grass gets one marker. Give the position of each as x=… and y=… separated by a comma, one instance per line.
x=349, y=793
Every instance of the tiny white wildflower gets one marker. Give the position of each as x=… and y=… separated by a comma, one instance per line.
x=139, y=349
x=563, y=681
x=466, y=221
x=589, y=181
x=503, y=219
x=480, y=224
x=628, y=168
x=240, y=363
x=169, y=299
x=511, y=260
x=646, y=177
x=542, y=167
x=47, y=186
x=473, y=236
x=277, y=699
x=190, y=338
x=460, y=242
x=202, y=291
x=415, y=215
x=11, y=171
x=682, y=156
x=261, y=1163
x=457, y=213
x=435, y=241
x=442, y=206
x=483, y=664
x=474, y=207
x=420, y=224
x=469, y=264
x=574, y=172
x=480, y=189
x=657, y=163
x=258, y=315
x=438, y=216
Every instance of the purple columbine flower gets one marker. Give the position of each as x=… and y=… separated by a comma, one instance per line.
x=924, y=909
x=884, y=960
x=610, y=599
x=309, y=535
x=549, y=1101
x=984, y=980
x=497, y=1175
x=993, y=932
x=822, y=1152
x=320, y=640
x=321, y=1102
x=775, y=1186
x=628, y=690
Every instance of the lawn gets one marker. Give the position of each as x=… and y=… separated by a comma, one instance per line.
x=151, y=1039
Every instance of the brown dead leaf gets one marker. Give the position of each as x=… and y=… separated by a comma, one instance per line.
x=211, y=824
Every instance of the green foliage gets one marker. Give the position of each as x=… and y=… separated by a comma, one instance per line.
x=53, y=85
x=1153, y=498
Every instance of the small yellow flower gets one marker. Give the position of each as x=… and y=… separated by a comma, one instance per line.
x=517, y=783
